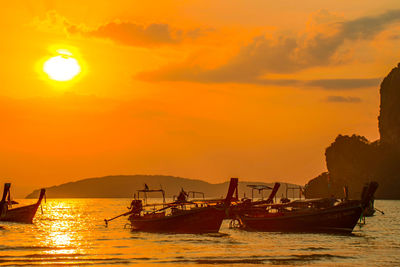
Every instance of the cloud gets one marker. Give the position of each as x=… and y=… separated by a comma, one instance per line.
x=131, y=34
x=196, y=74
x=342, y=99
x=122, y=32
x=318, y=45
x=344, y=83
x=368, y=27
x=327, y=84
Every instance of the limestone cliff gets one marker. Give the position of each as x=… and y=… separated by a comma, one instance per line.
x=353, y=160
x=317, y=187
x=389, y=118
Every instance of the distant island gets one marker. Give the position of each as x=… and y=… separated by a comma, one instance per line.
x=125, y=186
x=354, y=160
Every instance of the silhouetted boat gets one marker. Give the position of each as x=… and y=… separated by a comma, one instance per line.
x=369, y=210
x=23, y=214
x=306, y=216
x=246, y=203
x=182, y=216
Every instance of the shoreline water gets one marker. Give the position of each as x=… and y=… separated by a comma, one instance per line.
x=72, y=232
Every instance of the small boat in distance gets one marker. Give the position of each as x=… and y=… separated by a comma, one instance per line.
x=23, y=214
x=181, y=216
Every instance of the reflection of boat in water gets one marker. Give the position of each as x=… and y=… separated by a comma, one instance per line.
x=180, y=216
x=23, y=214
x=305, y=215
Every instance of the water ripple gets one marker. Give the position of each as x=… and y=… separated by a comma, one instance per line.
x=71, y=232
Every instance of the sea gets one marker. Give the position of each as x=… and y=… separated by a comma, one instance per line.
x=72, y=232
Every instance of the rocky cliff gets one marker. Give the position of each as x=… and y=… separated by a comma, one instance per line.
x=353, y=160
x=389, y=117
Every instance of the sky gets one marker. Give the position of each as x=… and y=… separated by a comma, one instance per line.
x=197, y=89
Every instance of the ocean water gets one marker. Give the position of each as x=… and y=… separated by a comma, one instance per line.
x=73, y=232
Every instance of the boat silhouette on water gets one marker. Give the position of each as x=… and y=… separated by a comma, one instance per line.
x=206, y=216
x=24, y=214
x=181, y=216
x=239, y=206
x=322, y=215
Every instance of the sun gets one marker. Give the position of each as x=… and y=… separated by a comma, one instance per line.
x=62, y=67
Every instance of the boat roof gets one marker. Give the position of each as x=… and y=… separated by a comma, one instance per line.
x=150, y=190
x=259, y=187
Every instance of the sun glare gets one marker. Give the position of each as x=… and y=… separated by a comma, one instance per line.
x=63, y=67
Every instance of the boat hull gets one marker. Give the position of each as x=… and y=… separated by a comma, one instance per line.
x=369, y=212
x=201, y=220
x=21, y=215
x=342, y=219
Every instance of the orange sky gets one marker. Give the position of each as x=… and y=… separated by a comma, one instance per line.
x=198, y=89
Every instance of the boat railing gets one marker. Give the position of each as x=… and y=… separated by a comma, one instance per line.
x=146, y=191
x=260, y=189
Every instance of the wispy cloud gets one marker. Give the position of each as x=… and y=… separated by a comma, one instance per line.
x=193, y=74
x=342, y=99
x=318, y=45
x=123, y=32
x=132, y=34
x=344, y=84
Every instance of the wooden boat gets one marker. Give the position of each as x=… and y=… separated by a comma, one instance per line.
x=306, y=216
x=182, y=216
x=23, y=214
x=336, y=219
x=201, y=220
x=260, y=189
x=369, y=211
x=246, y=203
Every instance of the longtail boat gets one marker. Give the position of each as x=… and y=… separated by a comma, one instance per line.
x=369, y=209
x=239, y=206
x=182, y=216
x=23, y=214
x=305, y=216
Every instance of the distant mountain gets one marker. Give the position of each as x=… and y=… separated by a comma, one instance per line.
x=124, y=186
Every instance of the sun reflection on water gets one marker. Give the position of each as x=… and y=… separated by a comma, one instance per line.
x=72, y=232
x=62, y=230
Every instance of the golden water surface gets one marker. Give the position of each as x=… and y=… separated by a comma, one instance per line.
x=72, y=232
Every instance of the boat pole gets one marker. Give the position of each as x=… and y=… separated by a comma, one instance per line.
x=124, y=214
x=381, y=211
